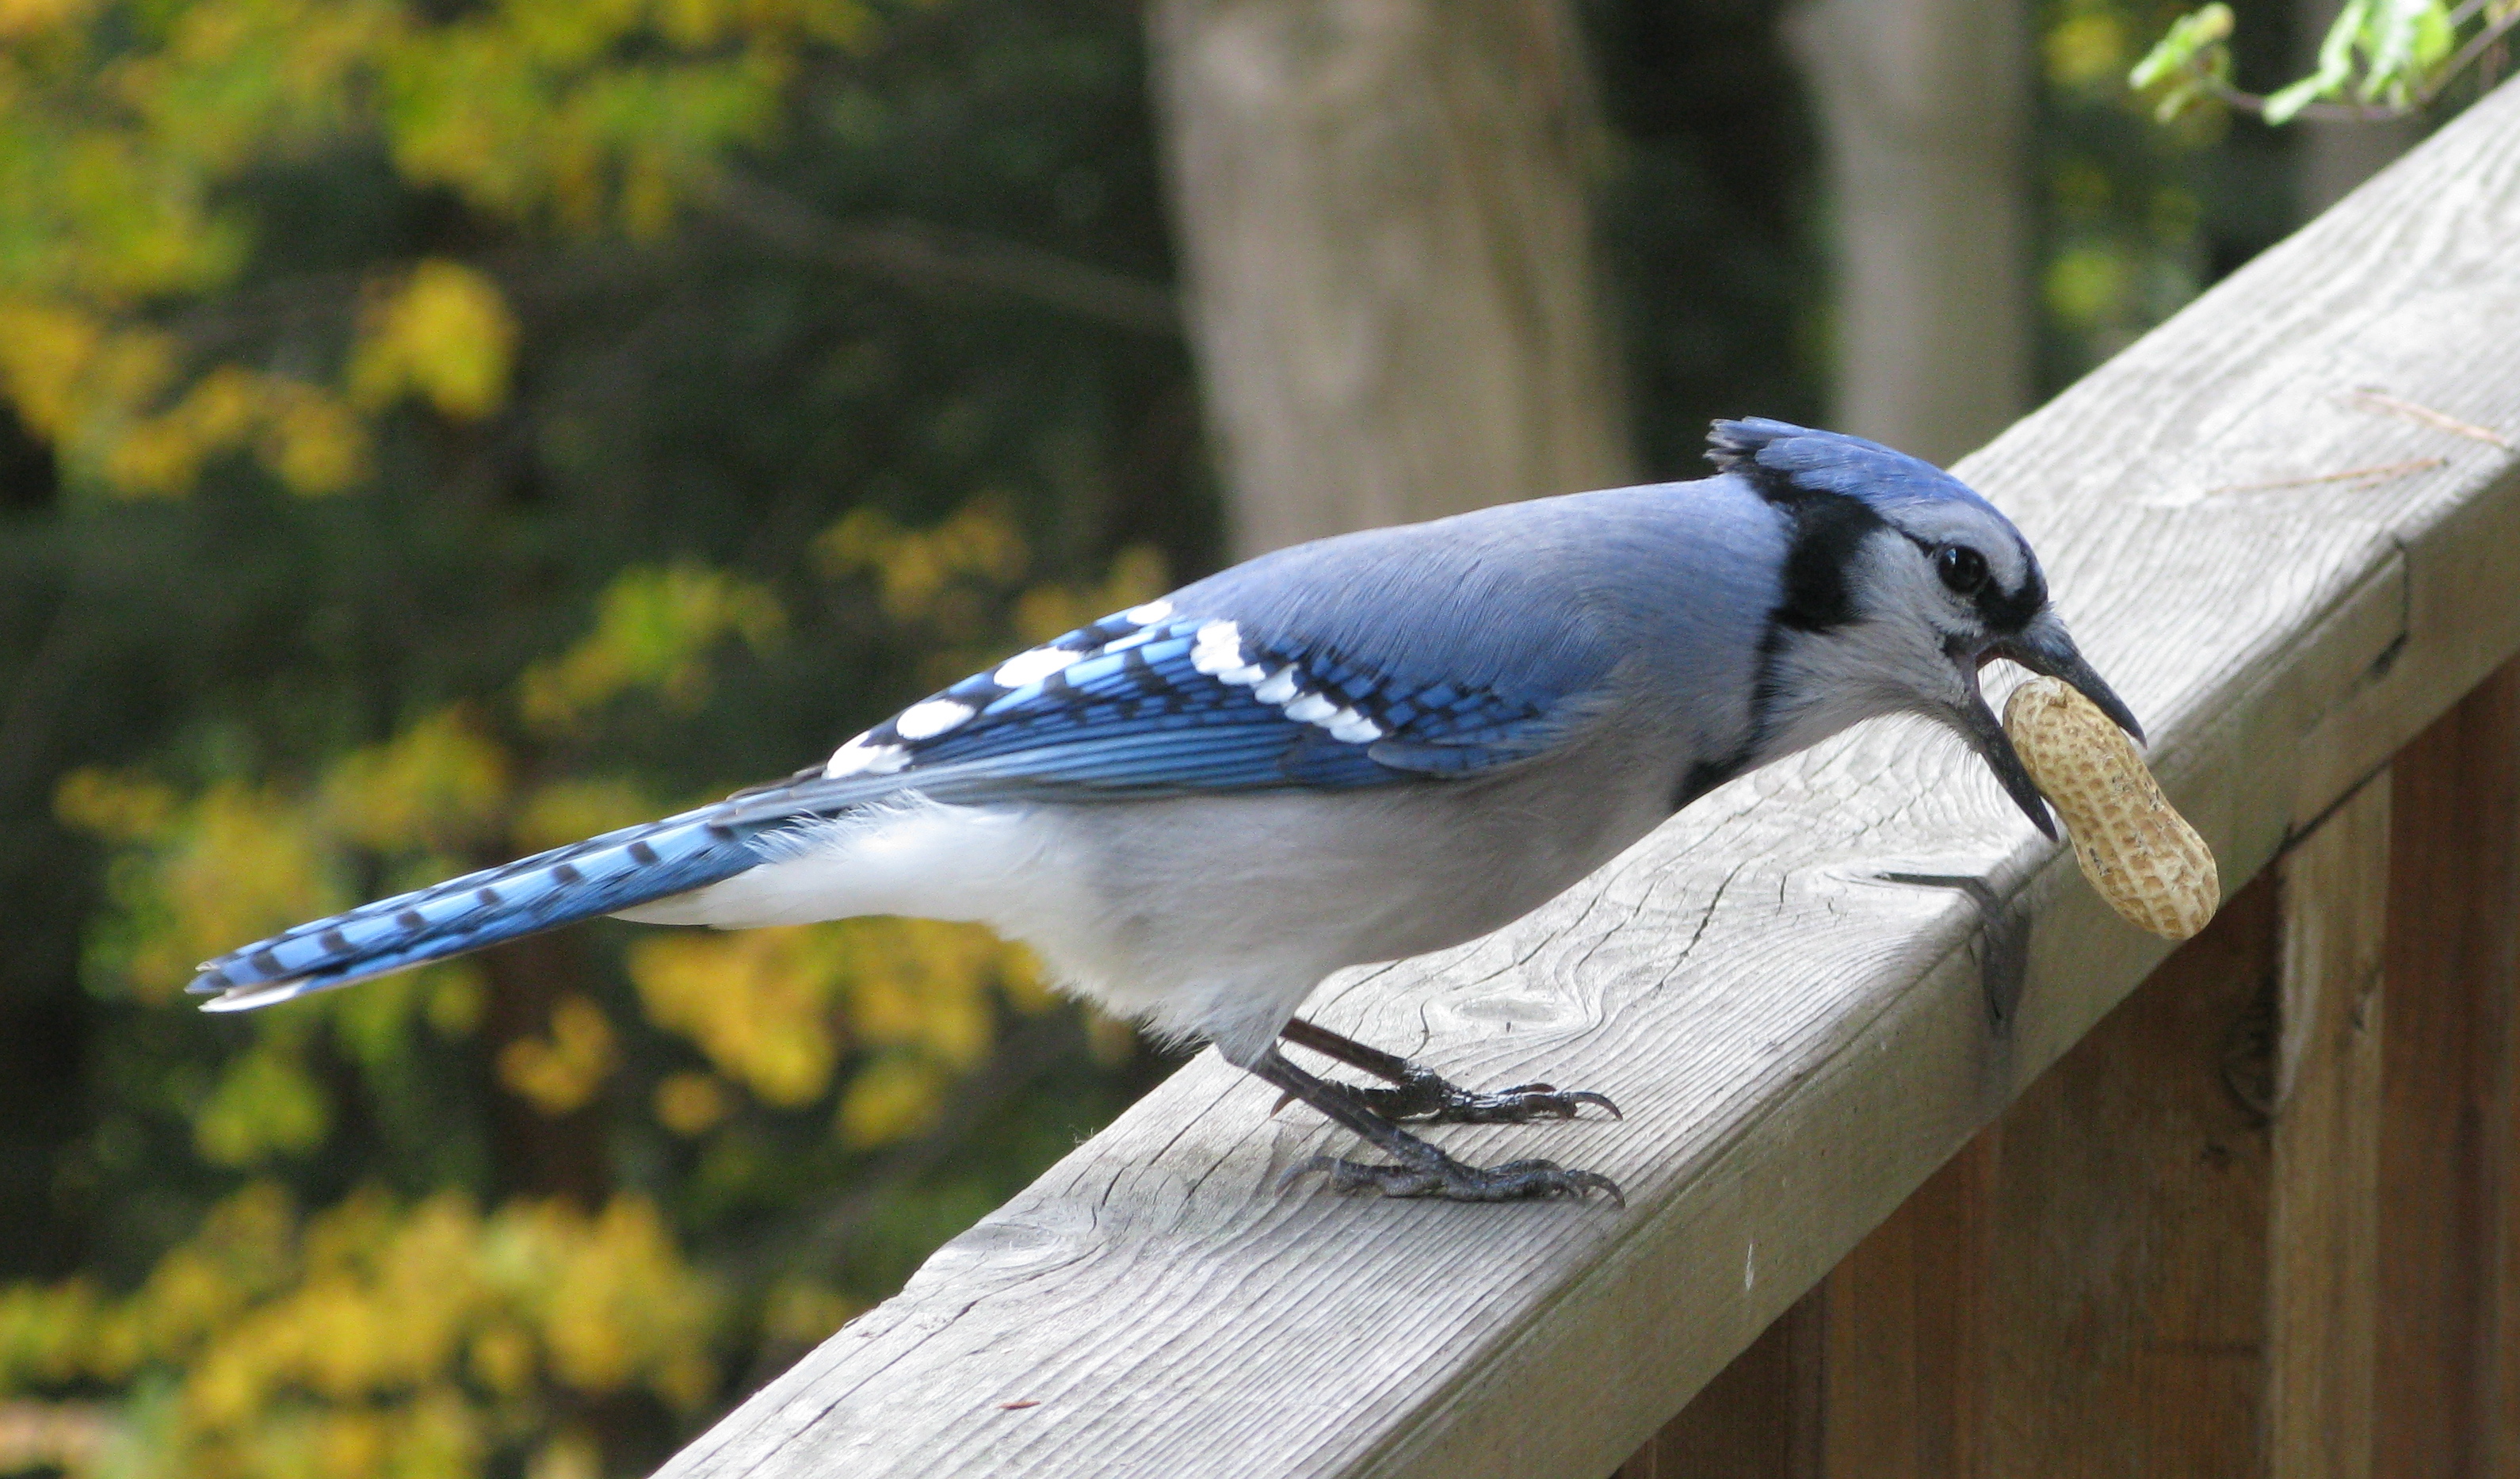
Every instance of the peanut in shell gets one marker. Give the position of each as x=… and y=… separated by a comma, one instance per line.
x=2139, y=854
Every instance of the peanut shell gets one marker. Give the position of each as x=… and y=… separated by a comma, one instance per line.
x=2140, y=855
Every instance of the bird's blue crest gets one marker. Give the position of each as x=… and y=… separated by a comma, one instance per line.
x=1787, y=460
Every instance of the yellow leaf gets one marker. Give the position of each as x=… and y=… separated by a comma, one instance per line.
x=625, y=1307
x=120, y=808
x=314, y=442
x=653, y=629
x=1137, y=574
x=265, y=1105
x=892, y=1099
x=758, y=1004
x=917, y=570
x=803, y=1311
x=443, y=334
x=22, y=19
x=438, y=784
x=233, y=864
x=2087, y=49
x=692, y=1104
x=562, y=1073
x=570, y=1456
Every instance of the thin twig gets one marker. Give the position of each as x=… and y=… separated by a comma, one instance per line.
x=2350, y=475
x=2384, y=401
x=931, y=256
x=2368, y=113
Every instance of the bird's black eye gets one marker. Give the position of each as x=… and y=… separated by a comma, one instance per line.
x=1962, y=569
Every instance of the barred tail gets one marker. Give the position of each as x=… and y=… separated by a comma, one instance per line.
x=579, y=881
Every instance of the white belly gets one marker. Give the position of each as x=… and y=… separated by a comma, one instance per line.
x=1202, y=916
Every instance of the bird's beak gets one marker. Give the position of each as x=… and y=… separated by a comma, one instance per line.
x=1985, y=734
x=2044, y=647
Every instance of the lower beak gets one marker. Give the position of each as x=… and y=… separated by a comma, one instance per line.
x=1985, y=734
x=2044, y=647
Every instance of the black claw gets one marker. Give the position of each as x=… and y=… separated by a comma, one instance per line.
x=1431, y=1100
x=1449, y=1179
x=1587, y=1096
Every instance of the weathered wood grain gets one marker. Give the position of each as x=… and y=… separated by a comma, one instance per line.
x=2449, y=1184
x=2323, y=1239
x=1797, y=1043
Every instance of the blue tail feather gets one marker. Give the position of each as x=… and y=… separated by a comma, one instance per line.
x=565, y=884
x=599, y=876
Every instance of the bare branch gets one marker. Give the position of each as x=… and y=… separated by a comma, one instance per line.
x=923, y=255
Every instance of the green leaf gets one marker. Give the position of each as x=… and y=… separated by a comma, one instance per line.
x=2396, y=41
x=2192, y=39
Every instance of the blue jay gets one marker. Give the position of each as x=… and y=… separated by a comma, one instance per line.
x=1352, y=750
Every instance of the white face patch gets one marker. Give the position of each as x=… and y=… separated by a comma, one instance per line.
x=859, y=758
x=1149, y=613
x=1025, y=669
x=928, y=719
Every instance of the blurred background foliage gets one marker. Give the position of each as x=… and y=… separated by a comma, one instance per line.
x=436, y=430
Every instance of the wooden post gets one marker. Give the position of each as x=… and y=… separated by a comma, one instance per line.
x=2445, y=1270
x=1760, y=1420
x=2323, y=1213
x=2079, y=1291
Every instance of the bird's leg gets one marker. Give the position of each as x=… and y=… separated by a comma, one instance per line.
x=1421, y=1169
x=1418, y=1094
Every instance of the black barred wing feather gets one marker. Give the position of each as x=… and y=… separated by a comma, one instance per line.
x=1147, y=701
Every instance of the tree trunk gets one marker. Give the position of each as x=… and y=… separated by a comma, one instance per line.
x=1388, y=250
x=1925, y=106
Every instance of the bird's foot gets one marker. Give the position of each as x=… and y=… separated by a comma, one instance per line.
x=1430, y=1099
x=1439, y=1175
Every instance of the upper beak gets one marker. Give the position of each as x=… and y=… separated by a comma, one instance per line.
x=2044, y=647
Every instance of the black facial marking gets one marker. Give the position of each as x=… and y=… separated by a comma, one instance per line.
x=1827, y=531
x=2008, y=611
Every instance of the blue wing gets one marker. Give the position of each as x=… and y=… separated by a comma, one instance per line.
x=1150, y=702
x=1155, y=700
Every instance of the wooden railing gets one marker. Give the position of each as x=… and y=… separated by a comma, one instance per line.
x=2264, y=1214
